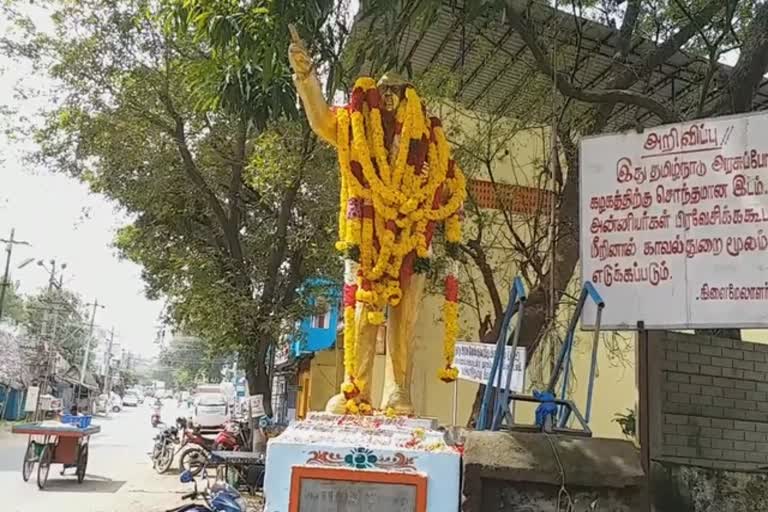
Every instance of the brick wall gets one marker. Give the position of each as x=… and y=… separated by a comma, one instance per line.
x=708, y=401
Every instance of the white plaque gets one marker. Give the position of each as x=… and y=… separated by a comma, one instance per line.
x=474, y=361
x=317, y=495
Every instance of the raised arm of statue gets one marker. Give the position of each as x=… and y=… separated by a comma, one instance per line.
x=320, y=116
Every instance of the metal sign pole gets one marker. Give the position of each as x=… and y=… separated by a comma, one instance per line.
x=455, y=400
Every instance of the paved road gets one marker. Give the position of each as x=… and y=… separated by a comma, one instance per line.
x=119, y=478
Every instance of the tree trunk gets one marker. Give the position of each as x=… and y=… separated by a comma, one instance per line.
x=259, y=381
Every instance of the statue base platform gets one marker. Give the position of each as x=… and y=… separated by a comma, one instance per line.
x=332, y=463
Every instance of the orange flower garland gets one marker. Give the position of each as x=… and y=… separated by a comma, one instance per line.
x=388, y=210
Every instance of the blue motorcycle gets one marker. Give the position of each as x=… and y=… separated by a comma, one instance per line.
x=220, y=497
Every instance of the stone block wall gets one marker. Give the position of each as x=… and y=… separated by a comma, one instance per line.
x=708, y=401
x=684, y=488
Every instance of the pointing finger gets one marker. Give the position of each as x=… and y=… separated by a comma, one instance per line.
x=295, y=38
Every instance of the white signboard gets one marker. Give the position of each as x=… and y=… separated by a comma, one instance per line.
x=30, y=403
x=674, y=224
x=256, y=405
x=474, y=361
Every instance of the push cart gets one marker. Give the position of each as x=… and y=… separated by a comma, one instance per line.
x=48, y=444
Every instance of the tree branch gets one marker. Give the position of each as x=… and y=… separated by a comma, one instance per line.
x=628, y=25
x=477, y=253
x=236, y=178
x=669, y=47
x=750, y=68
x=611, y=95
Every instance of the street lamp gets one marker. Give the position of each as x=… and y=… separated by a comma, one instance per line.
x=25, y=263
x=52, y=273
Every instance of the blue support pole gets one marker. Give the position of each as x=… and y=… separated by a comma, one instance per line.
x=498, y=358
x=564, y=361
x=566, y=371
x=502, y=403
x=595, y=343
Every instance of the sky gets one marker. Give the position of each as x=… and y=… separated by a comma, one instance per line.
x=62, y=220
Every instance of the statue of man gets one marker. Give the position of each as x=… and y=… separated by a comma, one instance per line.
x=397, y=182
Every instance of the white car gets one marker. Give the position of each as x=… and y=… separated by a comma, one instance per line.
x=211, y=410
x=115, y=402
x=130, y=400
x=105, y=403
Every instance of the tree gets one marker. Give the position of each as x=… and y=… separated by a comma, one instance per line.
x=58, y=315
x=184, y=114
x=705, y=29
x=189, y=360
x=13, y=305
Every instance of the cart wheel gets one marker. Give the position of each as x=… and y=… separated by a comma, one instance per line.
x=82, y=463
x=30, y=457
x=44, y=466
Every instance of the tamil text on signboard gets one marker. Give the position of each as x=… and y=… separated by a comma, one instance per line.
x=474, y=361
x=674, y=224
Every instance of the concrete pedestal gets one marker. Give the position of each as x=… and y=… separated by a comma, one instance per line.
x=352, y=463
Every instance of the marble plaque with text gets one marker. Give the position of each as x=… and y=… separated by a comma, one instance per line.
x=318, y=495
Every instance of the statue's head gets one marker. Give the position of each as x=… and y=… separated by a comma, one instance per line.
x=392, y=90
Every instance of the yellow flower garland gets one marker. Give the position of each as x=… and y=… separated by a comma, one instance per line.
x=450, y=319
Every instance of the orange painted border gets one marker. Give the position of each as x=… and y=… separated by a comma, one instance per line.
x=350, y=475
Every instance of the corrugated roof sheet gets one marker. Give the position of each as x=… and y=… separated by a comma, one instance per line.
x=496, y=71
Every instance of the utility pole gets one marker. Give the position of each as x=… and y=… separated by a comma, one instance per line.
x=84, y=365
x=8, y=250
x=50, y=366
x=95, y=305
x=107, y=373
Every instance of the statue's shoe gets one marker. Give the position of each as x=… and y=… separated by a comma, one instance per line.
x=400, y=402
x=337, y=404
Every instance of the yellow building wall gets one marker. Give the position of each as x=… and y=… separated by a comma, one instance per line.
x=323, y=379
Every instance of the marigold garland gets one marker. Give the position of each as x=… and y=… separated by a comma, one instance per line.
x=387, y=211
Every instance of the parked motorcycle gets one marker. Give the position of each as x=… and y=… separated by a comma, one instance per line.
x=235, y=436
x=163, y=451
x=220, y=497
x=194, y=458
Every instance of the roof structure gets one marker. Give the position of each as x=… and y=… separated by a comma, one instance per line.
x=496, y=72
x=72, y=376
